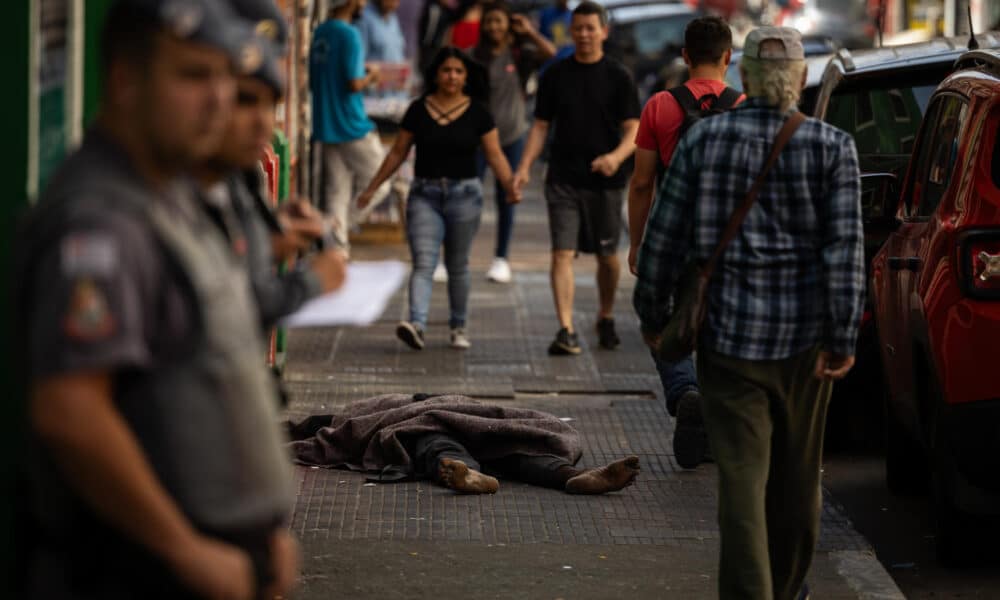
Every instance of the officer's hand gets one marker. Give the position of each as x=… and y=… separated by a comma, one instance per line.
x=310, y=228
x=374, y=73
x=297, y=235
x=285, y=560
x=300, y=208
x=331, y=268
x=831, y=366
x=605, y=164
x=215, y=570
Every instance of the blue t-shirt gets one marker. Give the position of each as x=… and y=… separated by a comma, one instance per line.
x=336, y=58
x=382, y=36
x=553, y=23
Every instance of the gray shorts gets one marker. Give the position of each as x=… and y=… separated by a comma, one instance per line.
x=584, y=219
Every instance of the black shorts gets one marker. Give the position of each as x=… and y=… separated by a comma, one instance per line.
x=583, y=219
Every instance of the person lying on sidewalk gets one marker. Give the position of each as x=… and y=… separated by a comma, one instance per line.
x=456, y=442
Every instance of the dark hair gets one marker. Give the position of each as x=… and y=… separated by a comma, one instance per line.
x=476, y=83
x=484, y=43
x=706, y=39
x=128, y=33
x=588, y=7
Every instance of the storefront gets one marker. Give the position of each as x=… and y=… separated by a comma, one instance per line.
x=947, y=17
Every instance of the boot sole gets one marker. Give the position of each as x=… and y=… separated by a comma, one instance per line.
x=557, y=349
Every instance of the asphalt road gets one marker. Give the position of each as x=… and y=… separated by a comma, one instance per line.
x=901, y=528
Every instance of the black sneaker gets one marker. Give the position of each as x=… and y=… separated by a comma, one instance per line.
x=565, y=343
x=606, y=335
x=690, y=439
x=410, y=334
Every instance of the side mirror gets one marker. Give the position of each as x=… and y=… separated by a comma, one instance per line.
x=879, y=199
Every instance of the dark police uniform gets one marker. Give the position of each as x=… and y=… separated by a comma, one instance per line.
x=249, y=230
x=237, y=203
x=116, y=277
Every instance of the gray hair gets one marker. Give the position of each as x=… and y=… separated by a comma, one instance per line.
x=779, y=82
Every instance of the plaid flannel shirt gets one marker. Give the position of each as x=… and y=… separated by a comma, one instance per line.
x=794, y=275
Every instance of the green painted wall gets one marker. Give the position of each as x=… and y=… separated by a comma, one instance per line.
x=14, y=155
x=14, y=104
x=94, y=11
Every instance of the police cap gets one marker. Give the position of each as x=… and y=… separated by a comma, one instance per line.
x=271, y=35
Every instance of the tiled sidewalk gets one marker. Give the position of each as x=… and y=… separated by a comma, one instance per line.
x=656, y=539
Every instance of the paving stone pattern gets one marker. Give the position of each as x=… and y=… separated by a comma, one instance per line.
x=613, y=397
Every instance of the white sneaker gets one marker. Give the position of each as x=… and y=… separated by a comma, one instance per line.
x=499, y=271
x=440, y=274
x=458, y=339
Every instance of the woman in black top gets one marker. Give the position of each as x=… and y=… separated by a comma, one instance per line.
x=447, y=124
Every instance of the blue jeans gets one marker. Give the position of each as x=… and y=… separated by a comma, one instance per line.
x=505, y=211
x=442, y=211
x=677, y=378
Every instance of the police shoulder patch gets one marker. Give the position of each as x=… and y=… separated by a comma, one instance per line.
x=88, y=317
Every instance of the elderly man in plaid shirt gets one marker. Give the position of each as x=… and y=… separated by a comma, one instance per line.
x=784, y=306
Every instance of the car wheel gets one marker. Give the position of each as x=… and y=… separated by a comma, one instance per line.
x=905, y=471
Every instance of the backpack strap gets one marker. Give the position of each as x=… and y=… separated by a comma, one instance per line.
x=728, y=99
x=685, y=98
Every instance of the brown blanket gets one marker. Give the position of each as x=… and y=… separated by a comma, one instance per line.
x=371, y=435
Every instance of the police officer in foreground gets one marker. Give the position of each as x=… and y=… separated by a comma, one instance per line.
x=156, y=466
x=232, y=184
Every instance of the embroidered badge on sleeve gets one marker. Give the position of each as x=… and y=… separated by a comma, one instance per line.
x=88, y=317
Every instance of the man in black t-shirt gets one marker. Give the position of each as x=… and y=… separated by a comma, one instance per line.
x=593, y=104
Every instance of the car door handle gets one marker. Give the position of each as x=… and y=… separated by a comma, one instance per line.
x=898, y=263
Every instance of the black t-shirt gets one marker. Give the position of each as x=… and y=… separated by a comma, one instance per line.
x=447, y=150
x=586, y=105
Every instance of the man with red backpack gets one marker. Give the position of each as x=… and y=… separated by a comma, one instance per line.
x=708, y=43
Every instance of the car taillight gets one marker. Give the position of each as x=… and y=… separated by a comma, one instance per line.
x=984, y=258
x=979, y=263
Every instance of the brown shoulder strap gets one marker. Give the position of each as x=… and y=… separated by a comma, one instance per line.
x=736, y=221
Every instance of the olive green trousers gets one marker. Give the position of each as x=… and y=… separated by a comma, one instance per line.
x=765, y=422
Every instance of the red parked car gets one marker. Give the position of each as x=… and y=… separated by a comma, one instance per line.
x=936, y=290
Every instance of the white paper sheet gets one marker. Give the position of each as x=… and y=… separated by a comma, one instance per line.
x=360, y=301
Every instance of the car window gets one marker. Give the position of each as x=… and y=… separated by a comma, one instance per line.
x=937, y=154
x=653, y=35
x=883, y=120
x=921, y=160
